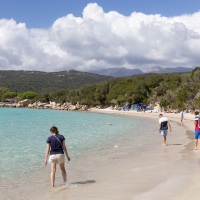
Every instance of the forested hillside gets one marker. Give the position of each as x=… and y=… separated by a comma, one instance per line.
x=21, y=81
x=174, y=91
x=171, y=90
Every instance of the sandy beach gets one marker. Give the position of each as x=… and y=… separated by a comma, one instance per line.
x=157, y=171
x=170, y=172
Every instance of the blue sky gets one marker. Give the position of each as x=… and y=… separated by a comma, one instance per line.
x=58, y=35
x=42, y=13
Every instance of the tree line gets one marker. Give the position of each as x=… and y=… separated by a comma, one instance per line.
x=172, y=91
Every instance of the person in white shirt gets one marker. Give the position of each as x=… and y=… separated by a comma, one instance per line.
x=163, y=127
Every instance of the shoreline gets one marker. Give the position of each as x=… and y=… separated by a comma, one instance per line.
x=156, y=172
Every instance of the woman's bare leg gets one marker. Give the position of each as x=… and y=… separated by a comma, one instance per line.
x=164, y=140
x=64, y=174
x=53, y=172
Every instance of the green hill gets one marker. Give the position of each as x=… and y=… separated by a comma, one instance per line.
x=37, y=81
x=172, y=91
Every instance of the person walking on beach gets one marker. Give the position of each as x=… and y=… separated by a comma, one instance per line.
x=56, y=147
x=196, y=130
x=181, y=116
x=163, y=127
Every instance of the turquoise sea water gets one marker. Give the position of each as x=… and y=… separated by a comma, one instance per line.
x=24, y=132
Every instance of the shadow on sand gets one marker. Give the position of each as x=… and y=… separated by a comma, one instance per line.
x=84, y=182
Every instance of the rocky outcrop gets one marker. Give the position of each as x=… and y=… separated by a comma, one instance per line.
x=19, y=104
x=58, y=106
x=51, y=105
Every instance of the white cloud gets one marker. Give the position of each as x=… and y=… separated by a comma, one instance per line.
x=102, y=40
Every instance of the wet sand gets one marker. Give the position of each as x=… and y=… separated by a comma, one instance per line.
x=157, y=171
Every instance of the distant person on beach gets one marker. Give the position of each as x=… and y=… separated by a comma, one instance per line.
x=163, y=127
x=144, y=108
x=181, y=116
x=56, y=147
x=196, y=130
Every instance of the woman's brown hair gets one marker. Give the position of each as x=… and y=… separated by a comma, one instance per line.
x=54, y=129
